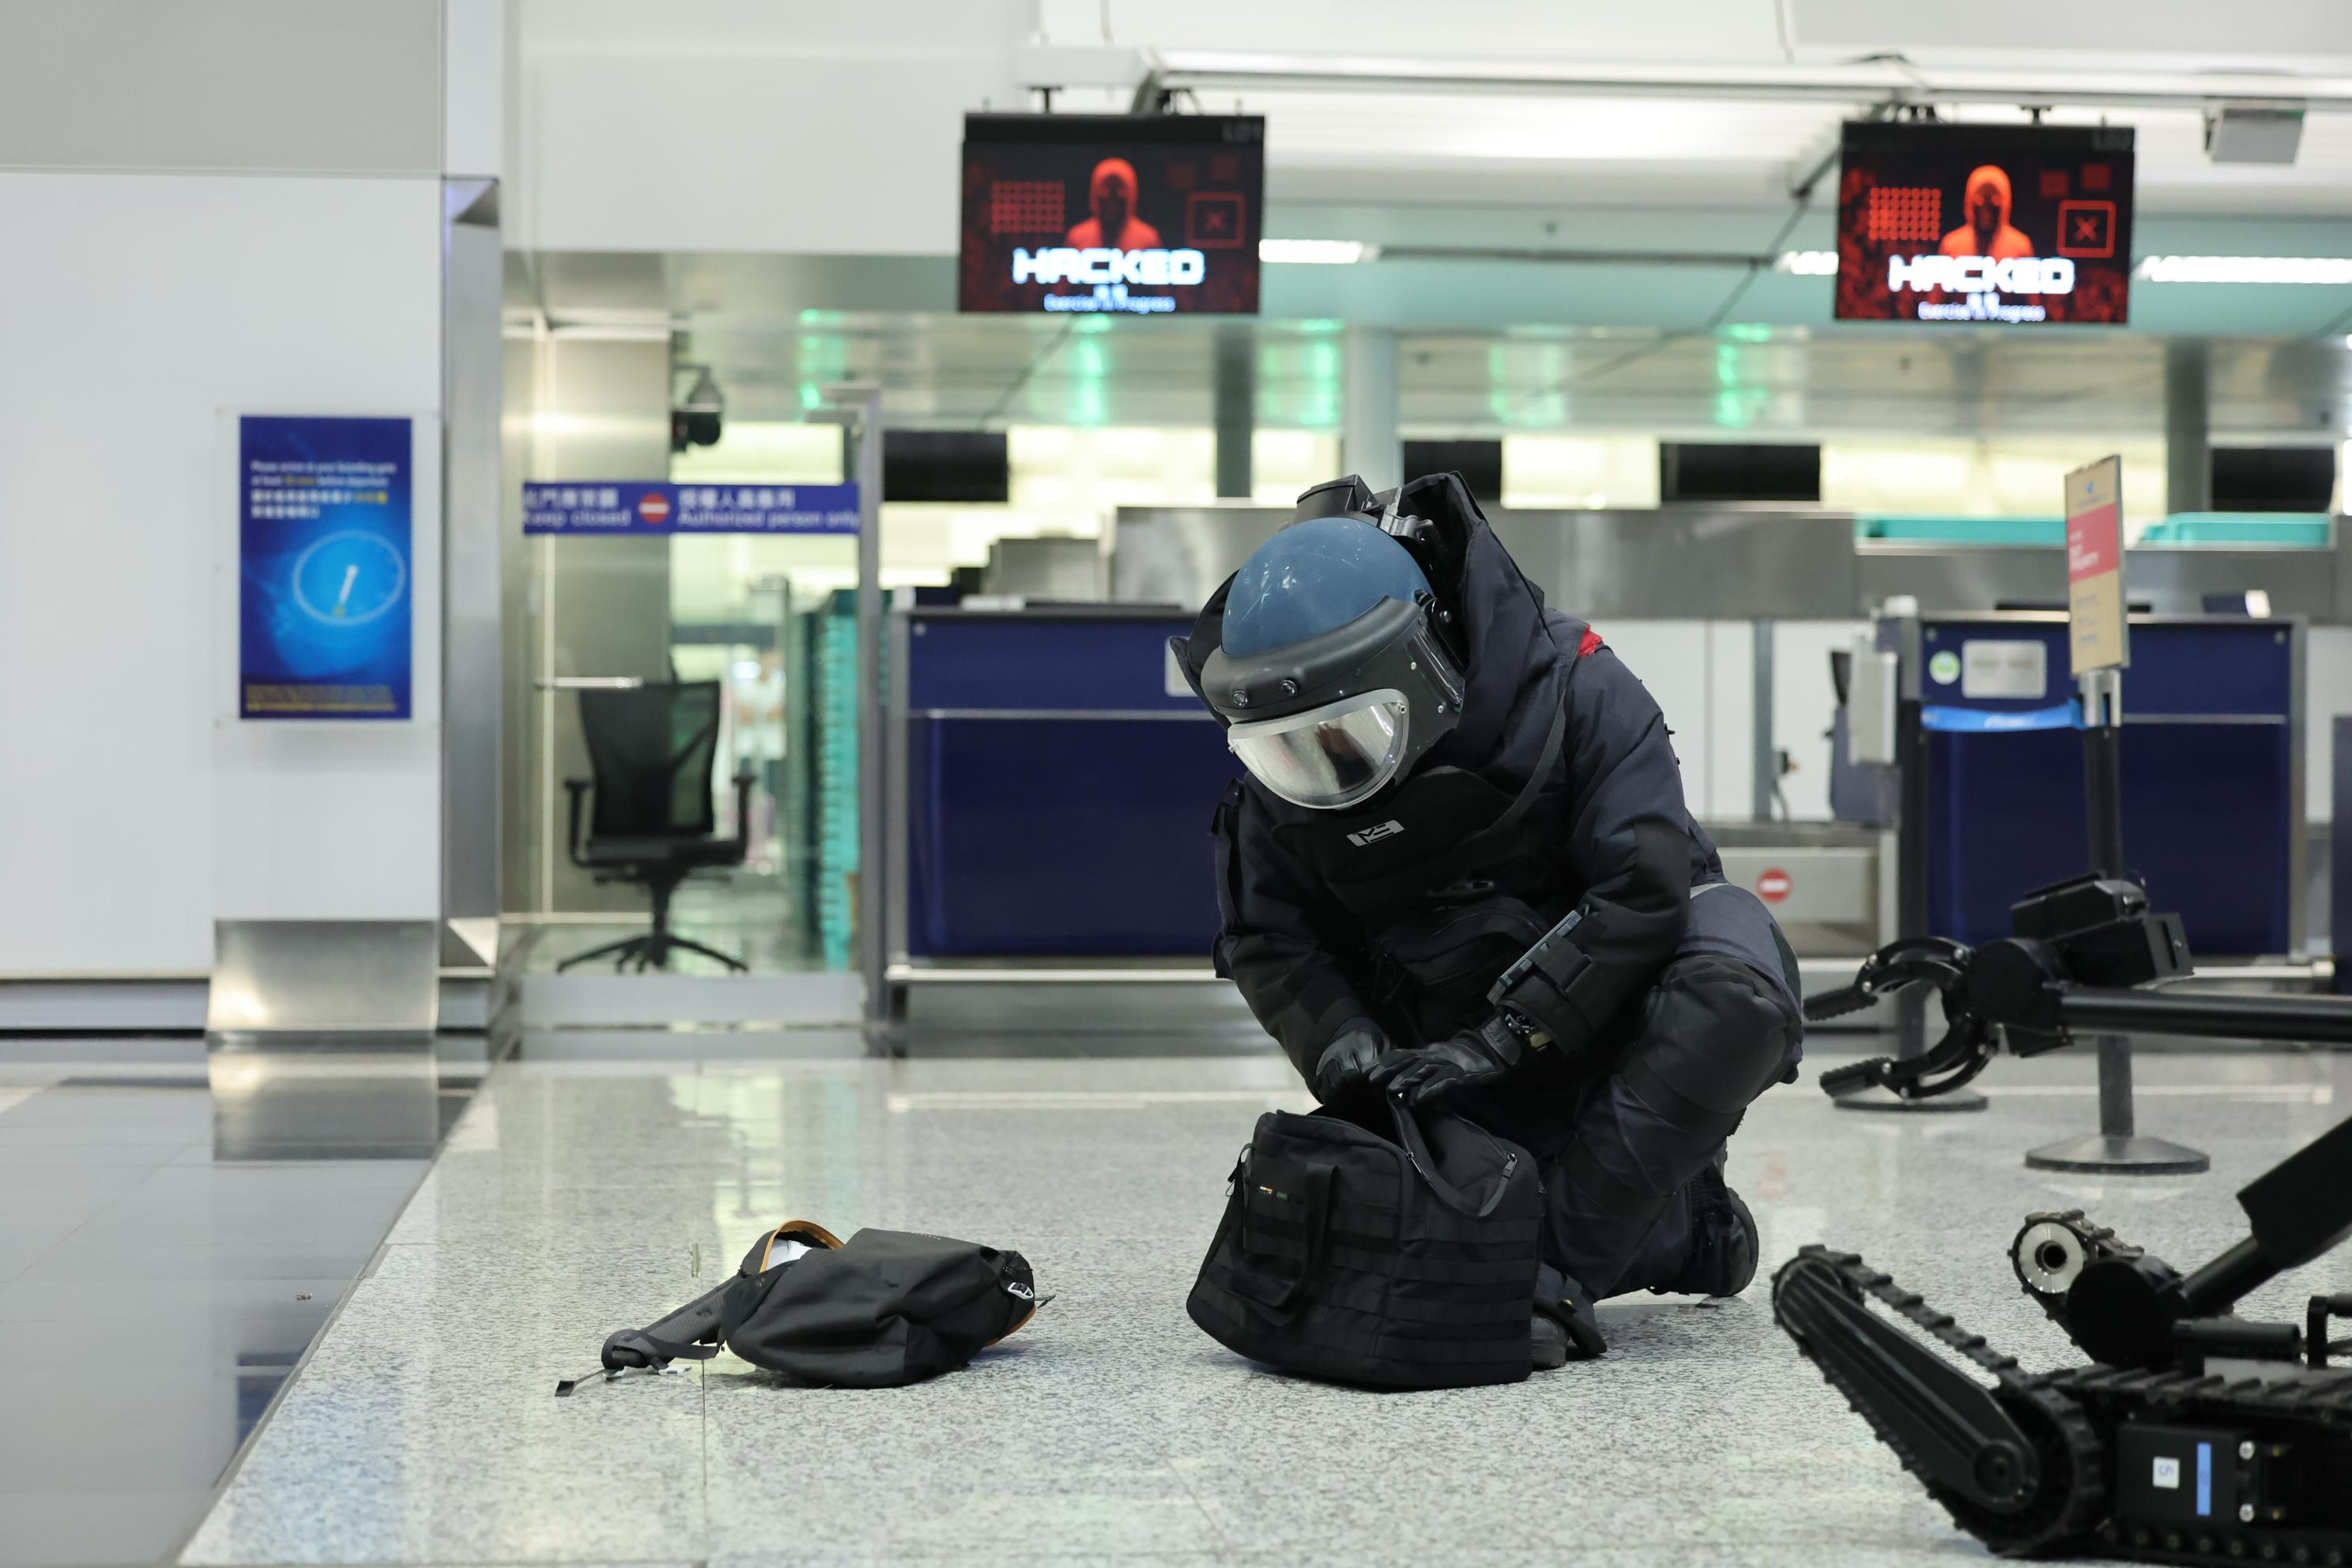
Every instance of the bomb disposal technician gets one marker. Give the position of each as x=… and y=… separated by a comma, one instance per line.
x=1459, y=870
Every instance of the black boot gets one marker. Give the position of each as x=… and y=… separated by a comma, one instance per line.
x=1723, y=1248
x=1563, y=1329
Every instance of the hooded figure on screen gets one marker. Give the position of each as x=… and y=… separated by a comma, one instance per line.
x=1987, y=230
x=1110, y=196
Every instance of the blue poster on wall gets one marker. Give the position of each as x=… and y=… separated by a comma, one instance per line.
x=325, y=616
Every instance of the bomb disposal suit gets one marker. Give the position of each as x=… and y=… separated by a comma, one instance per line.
x=1459, y=870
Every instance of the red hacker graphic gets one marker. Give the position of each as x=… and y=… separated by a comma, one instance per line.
x=1089, y=213
x=1984, y=225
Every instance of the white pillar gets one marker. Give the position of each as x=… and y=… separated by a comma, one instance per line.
x=1369, y=443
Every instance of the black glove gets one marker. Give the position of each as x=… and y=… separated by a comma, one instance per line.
x=1474, y=1058
x=1345, y=1066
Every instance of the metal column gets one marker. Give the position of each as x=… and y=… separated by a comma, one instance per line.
x=472, y=569
x=1369, y=442
x=1235, y=410
x=863, y=405
x=2188, y=437
x=1764, y=790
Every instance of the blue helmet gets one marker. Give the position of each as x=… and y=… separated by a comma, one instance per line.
x=1314, y=577
x=1328, y=678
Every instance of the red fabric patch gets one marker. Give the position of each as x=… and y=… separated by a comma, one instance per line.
x=1591, y=645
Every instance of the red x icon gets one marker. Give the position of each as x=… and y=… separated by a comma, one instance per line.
x=2086, y=229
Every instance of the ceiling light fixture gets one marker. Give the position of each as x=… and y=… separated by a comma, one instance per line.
x=1808, y=263
x=2254, y=133
x=1317, y=252
x=2245, y=270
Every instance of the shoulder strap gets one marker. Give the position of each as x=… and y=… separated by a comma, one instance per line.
x=1502, y=827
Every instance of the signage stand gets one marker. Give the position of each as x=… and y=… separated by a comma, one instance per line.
x=2099, y=640
x=1898, y=633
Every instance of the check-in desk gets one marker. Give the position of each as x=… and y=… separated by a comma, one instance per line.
x=1052, y=788
x=2212, y=773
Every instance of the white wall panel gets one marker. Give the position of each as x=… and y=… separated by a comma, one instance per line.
x=473, y=86
x=1670, y=658
x=350, y=87
x=1804, y=702
x=134, y=311
x=1731, y=719
x=2328, y=691
x=730, y=127
x=2216, y=38
x=324, y=819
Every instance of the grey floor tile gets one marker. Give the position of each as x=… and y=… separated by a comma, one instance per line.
x=170, y=1300
x=331, y=1207
x=49, y=1528
x=124, y=1258
x=155, y=1296
x=70, y=1112
x=62, y=1190
x=26, y=1241
x=18, y=1153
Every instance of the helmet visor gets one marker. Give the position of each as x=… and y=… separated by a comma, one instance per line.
x=1326, y=757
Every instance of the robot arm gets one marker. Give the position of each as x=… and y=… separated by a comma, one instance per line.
x=2083, y=954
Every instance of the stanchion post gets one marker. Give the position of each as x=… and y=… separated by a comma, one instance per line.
x=2098, y=636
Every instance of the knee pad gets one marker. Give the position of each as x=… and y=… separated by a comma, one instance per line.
x=1715, y=1034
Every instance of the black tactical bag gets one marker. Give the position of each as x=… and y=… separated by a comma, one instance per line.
x=883, y=1308
x=1403, y=1262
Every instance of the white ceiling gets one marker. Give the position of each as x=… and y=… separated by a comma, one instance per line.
x=1690, y=101
x=1564, y=148
x=741, y=125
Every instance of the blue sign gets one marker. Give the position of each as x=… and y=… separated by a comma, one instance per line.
x=613, y=506
x=1997, y=721
x=326, y=591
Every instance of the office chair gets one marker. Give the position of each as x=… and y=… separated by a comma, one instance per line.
x=652, y=749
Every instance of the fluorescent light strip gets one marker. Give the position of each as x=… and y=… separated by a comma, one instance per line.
x=1317, y=252
x=2321, y=269
x=2245, y=270
x=1808, y=263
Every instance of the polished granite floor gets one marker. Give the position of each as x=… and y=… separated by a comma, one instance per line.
x=584, y=1190
x=175, y=1226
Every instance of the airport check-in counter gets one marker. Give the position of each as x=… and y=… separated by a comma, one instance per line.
x=1051, y=787
x=1051, y=778
x=2212, y=773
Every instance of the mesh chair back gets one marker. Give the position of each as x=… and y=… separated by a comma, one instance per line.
x=652, y=749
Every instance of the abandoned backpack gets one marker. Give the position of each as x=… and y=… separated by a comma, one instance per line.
x=883, y=1309
x=1404, y=1262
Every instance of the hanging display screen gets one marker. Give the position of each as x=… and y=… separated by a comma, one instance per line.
x=1111, y=214
x=2000, y=224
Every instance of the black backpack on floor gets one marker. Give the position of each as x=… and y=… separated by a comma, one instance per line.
x=1403, y=1262
x=883, y=1308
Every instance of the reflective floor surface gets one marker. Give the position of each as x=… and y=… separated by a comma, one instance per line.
x=175, y=1228
x=583, y=1191
x=746, y=917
